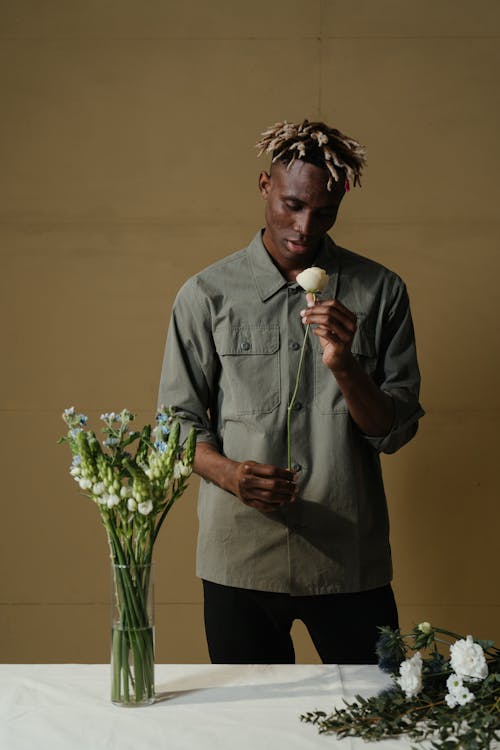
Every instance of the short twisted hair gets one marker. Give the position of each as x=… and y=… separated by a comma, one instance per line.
x=316, y=143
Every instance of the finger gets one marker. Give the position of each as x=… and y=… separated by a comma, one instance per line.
x=335, y=335
x=318, y=315
x=266, y=493
x=330, y=307
x=268, y=470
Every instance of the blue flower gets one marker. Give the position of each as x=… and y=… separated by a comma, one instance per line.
x=110, y=441
x=161, y=418
x=74, y=432
x=160, y=446
x=83, y=419
x=165, y=429
x=77, y=460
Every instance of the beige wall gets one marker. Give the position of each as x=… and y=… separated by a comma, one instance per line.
x=127, y=164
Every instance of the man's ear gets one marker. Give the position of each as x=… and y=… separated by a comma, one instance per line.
x=264, y=184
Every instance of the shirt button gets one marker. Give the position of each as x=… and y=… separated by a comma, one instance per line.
x=245, y=346
x=297, y=406
x=297, y=467
x=295, y=345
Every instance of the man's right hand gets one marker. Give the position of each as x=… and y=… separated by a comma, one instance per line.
x=261, y=486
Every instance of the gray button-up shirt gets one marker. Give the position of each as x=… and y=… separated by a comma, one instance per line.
x=230, y=365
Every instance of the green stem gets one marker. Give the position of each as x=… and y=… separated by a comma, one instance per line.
x=175, y=496
x=294, y=396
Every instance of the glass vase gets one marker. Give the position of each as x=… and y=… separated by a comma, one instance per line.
x=132, y=635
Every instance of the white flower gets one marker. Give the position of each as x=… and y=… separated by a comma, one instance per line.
x=425, y=628
x=458, y=694
x=126, y=491
x=112, y=500
x=313, y=279
x=75, y=471
x=181, y=470
x=451, y=700
x=454, y=683
x=98, y=488
x=467, y=659
x=102, y=499
x=85, y=484
x=410, y=679
x=464, y=696
x=145, y=508
x=131, y=505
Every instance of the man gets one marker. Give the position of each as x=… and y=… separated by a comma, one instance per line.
x=310, y=542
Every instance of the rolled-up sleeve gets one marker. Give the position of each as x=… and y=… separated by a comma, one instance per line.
x=190, y=366
x=397, y=372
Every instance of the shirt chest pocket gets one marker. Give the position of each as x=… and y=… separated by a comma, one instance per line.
x=250, y=369
x=328, y=398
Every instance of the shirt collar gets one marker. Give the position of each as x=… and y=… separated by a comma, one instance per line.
x=267, y=276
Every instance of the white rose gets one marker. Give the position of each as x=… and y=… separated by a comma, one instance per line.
x=75, y=471
x=313, y=279
x=145, y=508
x=410, y=679
x=467, y=659
x=85, y=484
x=98, y=488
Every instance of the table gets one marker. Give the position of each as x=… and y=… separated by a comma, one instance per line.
x=199, y=707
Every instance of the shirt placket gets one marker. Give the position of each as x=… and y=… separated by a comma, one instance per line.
x=299, y=417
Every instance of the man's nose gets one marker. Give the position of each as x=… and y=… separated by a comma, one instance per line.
x=304, y=223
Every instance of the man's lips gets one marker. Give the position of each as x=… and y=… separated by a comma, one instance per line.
x=298, y=244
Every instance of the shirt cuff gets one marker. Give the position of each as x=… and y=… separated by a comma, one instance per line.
x=404, y=426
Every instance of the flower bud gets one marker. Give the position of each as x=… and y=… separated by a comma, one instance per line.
x=425, y=627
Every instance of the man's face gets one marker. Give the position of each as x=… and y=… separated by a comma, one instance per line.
x=299, y=211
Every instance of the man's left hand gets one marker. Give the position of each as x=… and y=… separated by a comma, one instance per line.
x=335, y=326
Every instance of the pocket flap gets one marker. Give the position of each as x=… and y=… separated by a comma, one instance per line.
x=363, y=342
x=247, y=340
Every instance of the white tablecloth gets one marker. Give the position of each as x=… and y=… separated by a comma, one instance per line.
x=200, y=706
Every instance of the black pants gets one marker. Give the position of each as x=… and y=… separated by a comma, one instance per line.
x=244, y=626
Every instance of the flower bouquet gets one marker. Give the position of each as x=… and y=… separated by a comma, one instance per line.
x=133, y=492
x=450, y=700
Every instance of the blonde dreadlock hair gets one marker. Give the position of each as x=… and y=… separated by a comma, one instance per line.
x=318, y=144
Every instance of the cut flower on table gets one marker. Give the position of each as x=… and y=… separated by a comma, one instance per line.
x=448, y=699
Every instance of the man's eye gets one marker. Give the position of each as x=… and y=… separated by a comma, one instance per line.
x=293, y=206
